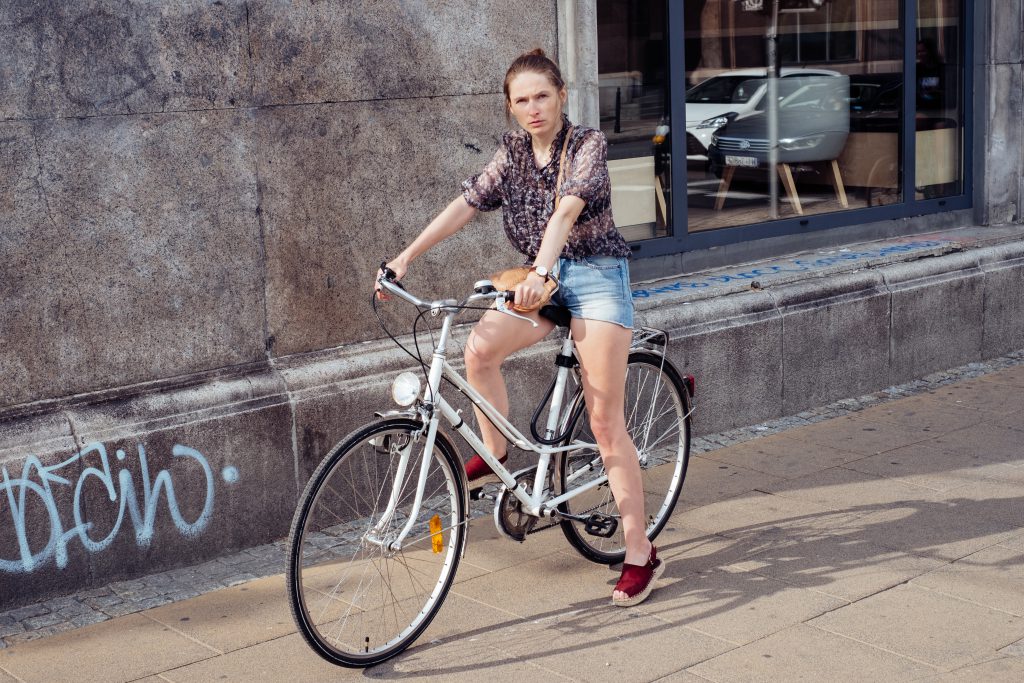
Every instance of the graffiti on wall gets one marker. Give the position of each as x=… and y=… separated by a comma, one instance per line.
x=33, y=497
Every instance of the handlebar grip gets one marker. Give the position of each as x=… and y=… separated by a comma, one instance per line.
x=390, y=275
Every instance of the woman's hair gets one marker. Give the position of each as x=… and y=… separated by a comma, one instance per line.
x=534, y=61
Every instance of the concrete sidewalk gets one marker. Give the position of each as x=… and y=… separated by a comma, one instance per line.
x=886, y=544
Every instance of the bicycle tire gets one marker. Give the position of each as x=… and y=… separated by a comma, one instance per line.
x=653, y=410
x=356, y=603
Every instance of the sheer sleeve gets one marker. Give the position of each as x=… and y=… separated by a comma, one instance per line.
x=484, y=190
x=586, y=176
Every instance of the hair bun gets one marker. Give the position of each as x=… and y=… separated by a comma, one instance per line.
x=536, y=52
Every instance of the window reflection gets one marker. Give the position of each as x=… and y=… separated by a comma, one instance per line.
x=939, y=121
x=633, y=91
x=839, y=108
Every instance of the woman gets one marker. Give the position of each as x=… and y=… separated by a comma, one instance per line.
x=578, y=243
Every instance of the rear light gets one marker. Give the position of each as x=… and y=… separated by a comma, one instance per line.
x=690, y=382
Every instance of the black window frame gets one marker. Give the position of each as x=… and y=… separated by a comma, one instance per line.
x=681, y=240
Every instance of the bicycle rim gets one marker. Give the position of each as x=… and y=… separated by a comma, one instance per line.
x=657, y=418
x=355, y=601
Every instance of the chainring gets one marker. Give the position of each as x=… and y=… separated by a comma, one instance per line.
x=509, y=516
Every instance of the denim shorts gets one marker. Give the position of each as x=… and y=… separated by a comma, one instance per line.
x=595, y=288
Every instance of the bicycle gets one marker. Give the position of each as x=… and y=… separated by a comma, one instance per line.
x=381, y=526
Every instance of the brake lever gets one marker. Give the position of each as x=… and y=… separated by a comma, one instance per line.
x=500, y=305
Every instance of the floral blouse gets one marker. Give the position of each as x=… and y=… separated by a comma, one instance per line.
x=526, y=193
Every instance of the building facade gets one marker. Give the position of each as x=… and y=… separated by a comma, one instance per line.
x=195, y=197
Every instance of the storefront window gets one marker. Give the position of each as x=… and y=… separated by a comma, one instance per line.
x=939, y=121
x=793, y=109
x=633, y=66
x=837, y=110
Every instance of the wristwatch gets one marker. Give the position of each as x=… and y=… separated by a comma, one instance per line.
x=542, y=271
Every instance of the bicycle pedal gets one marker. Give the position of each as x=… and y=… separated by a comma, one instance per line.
x=601, y=525
x=479, y=494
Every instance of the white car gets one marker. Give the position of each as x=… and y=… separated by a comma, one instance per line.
x=729, y=95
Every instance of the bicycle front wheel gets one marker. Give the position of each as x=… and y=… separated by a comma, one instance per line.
x=356, y=600
x=658, y=420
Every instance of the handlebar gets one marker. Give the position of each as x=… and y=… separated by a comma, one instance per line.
x=483, y=291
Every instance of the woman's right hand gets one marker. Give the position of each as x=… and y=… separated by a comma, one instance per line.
x=399, y=267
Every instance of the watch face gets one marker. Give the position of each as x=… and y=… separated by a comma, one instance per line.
x=541, y=270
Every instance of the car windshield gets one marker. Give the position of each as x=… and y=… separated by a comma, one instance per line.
x=724, y=90
x=816, y=93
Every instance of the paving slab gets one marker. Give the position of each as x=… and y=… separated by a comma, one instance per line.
x=682, y=677
x=1008, y=669
x=613, y=645
x=959, y=633
x=290, y=659
x=232, y=618
x=488, y=551
x=938, y=530
x=989, y=441
x=798, y=654
x=922, y=464
x=922, y=413
x=988, y=395
x=124, y=649
x=781, y=456
x=544, y=586
x=1013, y=376
x=464, y=632
x=992, y=577
x=761, y=514
x=1014, y=420
x=719, y=479
x=844, y=490
x=734, y=605
x=860, y=435
x=843, y=566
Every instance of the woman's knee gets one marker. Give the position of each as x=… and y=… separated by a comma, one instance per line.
x=480, y=356
x=607, y=426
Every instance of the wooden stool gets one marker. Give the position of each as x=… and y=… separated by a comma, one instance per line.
x=786, y=175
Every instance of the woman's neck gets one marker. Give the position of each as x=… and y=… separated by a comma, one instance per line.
x=542, y=143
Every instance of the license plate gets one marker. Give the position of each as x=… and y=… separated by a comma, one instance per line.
x=749, y=162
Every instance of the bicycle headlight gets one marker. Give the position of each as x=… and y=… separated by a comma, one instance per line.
x=405, y=389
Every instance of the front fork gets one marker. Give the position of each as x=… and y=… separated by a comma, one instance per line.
x=374, y=536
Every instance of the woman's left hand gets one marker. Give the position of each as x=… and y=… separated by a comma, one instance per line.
x=530, y=291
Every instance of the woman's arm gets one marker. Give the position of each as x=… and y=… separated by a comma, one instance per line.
x=556, y=234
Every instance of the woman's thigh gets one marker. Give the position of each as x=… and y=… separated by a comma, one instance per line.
x=603, y=349
x=497, y=335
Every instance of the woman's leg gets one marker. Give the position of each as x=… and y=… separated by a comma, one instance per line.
x=604, y=352
x=495, y=338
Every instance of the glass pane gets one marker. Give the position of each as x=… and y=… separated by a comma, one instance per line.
x=837, y=109
x=633, y=84
x=940, y=119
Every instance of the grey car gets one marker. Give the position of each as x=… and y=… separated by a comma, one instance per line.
x=814, y=122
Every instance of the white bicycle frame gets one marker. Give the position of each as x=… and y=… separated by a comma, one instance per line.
x=536, y=503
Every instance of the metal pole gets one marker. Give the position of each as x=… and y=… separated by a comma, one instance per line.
x=772, y=46
x=618, y=109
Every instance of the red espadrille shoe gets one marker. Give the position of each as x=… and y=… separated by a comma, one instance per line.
x=637, y=581
x=479, y=472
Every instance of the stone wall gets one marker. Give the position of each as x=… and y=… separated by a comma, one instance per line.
x=194, y=197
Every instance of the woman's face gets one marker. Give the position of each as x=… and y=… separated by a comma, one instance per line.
x=536, y=103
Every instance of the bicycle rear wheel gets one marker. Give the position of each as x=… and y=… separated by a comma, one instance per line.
x=356, y=601
x=658, y=420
